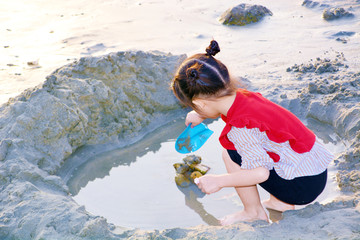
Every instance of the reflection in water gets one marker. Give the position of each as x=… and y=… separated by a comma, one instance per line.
x=274, y=215
x=192, y=193
x=100, y=165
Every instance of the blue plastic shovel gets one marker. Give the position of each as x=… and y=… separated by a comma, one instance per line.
x=192, y=138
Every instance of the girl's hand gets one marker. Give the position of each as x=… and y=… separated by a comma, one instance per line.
x=194, y=118
x=208, y=184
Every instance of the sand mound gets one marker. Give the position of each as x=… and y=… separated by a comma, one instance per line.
x=92, y=101
x=112, y=99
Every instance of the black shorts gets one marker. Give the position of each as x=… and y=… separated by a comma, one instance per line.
x=298, y=191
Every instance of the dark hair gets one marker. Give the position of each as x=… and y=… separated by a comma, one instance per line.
x=202, y=74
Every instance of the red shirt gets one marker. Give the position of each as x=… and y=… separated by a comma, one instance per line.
x=252, y=110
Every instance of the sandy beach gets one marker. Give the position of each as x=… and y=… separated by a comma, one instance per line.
x=84, y=78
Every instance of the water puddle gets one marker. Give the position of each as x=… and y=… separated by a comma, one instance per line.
x=134, y=187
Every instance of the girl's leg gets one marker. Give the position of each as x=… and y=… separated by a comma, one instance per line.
x=285, y=194
x=278, y=205
x=253, y=210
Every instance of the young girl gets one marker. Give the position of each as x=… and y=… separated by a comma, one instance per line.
x=263, y=142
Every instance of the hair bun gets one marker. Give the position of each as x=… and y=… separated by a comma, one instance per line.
x=192, y=74
x=213, y=48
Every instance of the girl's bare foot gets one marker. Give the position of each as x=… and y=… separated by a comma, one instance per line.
x=275, y=204
x=244, y=216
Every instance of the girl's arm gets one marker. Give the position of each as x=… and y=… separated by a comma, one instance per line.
x=194, y=118
x=242, y=178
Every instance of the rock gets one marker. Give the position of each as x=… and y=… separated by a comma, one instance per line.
x=181, y=180
x=188, y=170
x=195, y=174
x=181, y=167
x=313, y=4
x=335, y=13
x=244, y=14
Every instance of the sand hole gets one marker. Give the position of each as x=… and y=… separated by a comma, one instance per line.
x=134, y=187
